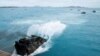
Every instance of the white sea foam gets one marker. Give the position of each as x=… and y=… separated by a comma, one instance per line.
x=25, y=22
x=48, y=29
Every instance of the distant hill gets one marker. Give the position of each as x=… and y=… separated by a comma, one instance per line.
x=39, y=6
x=76, y=7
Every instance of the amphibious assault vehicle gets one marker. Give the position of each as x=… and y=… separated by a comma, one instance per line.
x=26, y=46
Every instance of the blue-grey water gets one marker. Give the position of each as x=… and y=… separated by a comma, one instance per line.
x=80, y=38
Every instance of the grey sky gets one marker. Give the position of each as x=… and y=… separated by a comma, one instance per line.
x=53, y=3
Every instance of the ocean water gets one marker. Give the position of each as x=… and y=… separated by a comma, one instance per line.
x=71, y=33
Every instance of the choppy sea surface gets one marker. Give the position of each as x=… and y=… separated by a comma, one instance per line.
x=71, y=33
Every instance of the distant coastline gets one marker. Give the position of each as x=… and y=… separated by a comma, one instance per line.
x=47, y=7
x=40, y=6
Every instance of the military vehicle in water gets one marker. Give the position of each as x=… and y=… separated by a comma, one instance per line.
x=26, y=46
x=94, y=11
x=83, y=12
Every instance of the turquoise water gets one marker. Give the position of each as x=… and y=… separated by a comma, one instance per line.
x=80, y=38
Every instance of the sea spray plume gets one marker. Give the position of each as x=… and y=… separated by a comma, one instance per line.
x=45, y=30
x=48, y=29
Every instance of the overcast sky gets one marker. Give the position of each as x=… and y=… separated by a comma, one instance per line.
x=53, y=3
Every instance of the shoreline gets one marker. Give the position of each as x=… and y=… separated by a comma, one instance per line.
x=3, y=53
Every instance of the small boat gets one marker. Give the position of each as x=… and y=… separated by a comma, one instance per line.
x=26, y=46
x=94, y=11
x=83, y=12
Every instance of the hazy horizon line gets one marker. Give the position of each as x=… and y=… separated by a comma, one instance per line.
x=53, y=6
